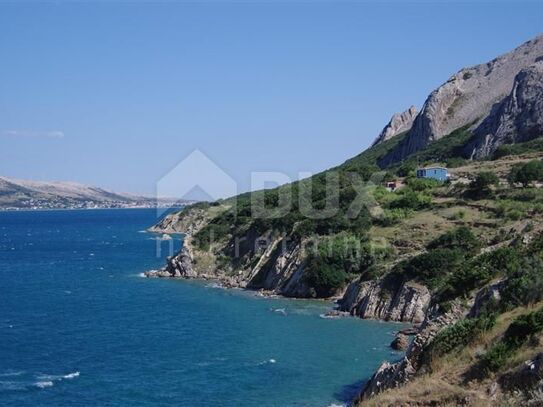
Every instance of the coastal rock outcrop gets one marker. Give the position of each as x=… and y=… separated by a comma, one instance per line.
x=393, y=375
x=465, y=99
x=179, y=265
x=400, y=342
x=374, y=300
x=398, y=124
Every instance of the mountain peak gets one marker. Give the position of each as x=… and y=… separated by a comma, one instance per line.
x=399, y=123
x=467, y=97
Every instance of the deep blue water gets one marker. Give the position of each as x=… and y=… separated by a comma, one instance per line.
x=80, y=327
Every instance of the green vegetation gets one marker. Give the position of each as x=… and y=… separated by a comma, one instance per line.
x=526, y=173
x=457, y=336
x=481, y=186
x=518, y=333
x=460, y=238
x=531, y=146
x=443, y=150
x=337, y=257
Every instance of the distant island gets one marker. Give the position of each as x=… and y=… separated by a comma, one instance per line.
x=16, y=194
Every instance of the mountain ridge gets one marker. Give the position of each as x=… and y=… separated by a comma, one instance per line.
x=468, y=96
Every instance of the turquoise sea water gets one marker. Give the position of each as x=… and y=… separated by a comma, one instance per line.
x=80, y=327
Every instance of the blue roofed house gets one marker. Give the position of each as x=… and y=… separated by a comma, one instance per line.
x=438, y=173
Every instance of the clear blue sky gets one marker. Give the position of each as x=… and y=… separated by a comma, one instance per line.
x=116, y=93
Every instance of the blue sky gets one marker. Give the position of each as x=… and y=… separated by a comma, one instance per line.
x=117, y=93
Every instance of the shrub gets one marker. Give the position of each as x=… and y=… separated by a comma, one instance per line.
x=516, y=335
x=324, y=278
x=482, y=185
x=524, y=285
x=393, y=216
x=409, y=199
x=422, y=184
x=526, y=173
x=455, y=162
x=432, y=267
x=459, y=335
x=406, y=169
x=458, y=238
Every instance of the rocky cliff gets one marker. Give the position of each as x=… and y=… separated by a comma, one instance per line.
x=372, y=299
x=469, y=96
x=392, y=375
x=398, y=124
x=265, y=262
x=518, y=118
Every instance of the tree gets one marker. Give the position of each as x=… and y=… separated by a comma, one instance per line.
x=526, y=173
x=482, y=185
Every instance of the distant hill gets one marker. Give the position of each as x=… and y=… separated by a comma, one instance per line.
x=25, y=194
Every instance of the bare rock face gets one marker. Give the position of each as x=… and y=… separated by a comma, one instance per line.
x=400, y=342
x=518, y=118
x=179, y=265
x=372, y=300
x=389, y=375
x=467, y=97
x=398, y=124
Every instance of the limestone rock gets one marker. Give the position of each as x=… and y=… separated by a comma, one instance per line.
x=398, y=124
x=394, y=375
x=518, y=118
x=466, y=98
x=400, y=342
x=371, y=300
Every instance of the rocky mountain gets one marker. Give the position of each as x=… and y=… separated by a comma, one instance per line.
x=25, y=194
x=471, y=96
x=398, y=124
x=517, y=118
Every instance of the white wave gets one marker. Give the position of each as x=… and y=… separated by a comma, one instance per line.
x=265, y=362
x=281, y=311
x=51, y=377
x=11, y=374
x=71, y=375
x=43, y=385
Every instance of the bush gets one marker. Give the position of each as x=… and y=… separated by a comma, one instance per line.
x=482, y=185
x=455, y=162
x=432, y=267
x=459, y=335
x=524, y=285
x=516, y=335
x=526, y=173
x=406, y=169
x=459, y=238
x=393, y=216
x=422, y=184
x=409, y=199
x=324, y=278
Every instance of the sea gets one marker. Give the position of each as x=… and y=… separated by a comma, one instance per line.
x=81, y=326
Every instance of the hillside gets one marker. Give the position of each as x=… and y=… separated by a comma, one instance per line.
x=459, y=260
x=24, y=194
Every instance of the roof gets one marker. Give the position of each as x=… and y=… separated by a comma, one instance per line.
x=432, y=168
